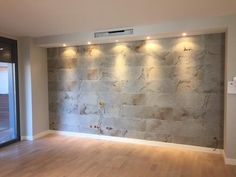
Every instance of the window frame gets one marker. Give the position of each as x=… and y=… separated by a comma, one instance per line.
x=14, y=60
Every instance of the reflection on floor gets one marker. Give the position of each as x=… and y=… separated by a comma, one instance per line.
x=61, y=156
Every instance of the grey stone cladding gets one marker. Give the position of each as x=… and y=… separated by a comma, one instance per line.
x=168, y=90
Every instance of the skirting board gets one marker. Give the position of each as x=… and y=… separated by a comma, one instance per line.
x=229, y=161
x=138, y=141
x=34, y=137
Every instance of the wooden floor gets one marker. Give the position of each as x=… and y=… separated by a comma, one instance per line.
x=61, y=156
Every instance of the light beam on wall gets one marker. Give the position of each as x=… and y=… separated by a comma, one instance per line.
x=120, y=69
x=70, y=52
x=152, y=47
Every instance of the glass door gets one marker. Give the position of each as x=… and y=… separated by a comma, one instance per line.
x=9, y=117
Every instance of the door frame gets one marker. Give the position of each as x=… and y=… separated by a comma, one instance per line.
x=13, y=44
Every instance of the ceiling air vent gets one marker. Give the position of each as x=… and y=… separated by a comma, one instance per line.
x=113, y=33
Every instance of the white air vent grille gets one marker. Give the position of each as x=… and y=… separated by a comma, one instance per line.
x=113, y=33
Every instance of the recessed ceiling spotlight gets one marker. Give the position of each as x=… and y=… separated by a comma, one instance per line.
x=64, y=45
x=117, y=40
x=148, y=37
x=1, y=48
x=184, y=34
x=89, y=42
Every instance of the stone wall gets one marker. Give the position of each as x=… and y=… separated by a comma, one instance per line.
x=167, y=90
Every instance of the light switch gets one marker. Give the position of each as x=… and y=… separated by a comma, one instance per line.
x=232, y=86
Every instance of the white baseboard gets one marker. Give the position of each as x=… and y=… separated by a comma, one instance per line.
x=139, y=141
x=229, y=161
x=34, y=137
x=26, y=138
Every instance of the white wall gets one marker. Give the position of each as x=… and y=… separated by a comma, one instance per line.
x=39, y=89
x=230, y=102
x=33, y=88
x=25, y=87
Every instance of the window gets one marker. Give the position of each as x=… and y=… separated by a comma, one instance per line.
x=9, y=109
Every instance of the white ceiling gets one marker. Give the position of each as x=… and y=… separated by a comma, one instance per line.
x=50, y=17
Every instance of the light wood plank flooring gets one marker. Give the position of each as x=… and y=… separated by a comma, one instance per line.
x=62, y=156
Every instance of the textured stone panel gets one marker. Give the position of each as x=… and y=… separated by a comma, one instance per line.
x=72, y=86
x=145, y=112
x=127, y=124
x=101, y=86
x=167, y=90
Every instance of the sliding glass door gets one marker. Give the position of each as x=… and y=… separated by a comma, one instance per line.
x=9, y=110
